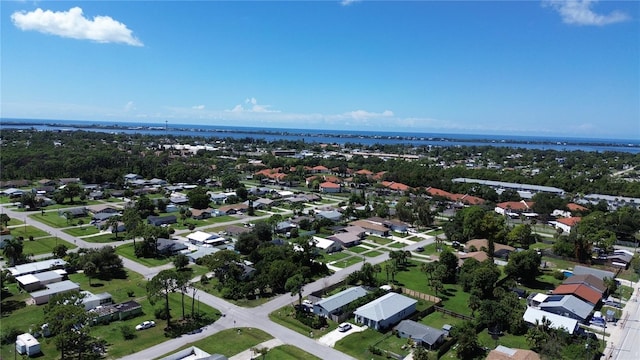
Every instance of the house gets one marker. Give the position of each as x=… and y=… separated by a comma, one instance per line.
x=162, y=220
x=92, y=301
x=200, y=214
x=619, y=260
x=218, y=198
x=478, y=255
x=26, y=344
x=535, y=317
x=394, y=186
x=102, y=209
x=169, y=247
x=132, y=177
x=233, y=209
x=37, y=267
x=422, y=335
x=505, y=353
x=201, y=238
x=72, y=213
x=592, y=281
x=500, y=250
x=566, y=224
x=327, y=245
x=33, y=282
x=123, y=311
x=385, y=311
x=580, y=291
x=514, y=208
x=567, y=305
x=329, y=187
x=600, y=274
x=201, y=252
x=332, y=215
x=371, y=227
x=43, y=296
x=334, y=304
x=235, y=230
x=346, y=239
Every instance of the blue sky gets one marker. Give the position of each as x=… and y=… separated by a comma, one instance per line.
x=562, y=68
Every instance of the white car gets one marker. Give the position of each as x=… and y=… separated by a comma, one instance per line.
x=146, y=325
x=344, y=327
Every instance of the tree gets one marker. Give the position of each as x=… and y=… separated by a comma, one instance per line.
x=295, y=285
x=132, y=223
x=522, y=235
x=198, y=198
x=182, y=284
x=160, y=286
x=71, y=190
x=112, y=223
x=144, y=206
x=59, y=250
x=4, y=219
x=90, y=270
x=13, y=250
x=468, y=346
x=524, y=265
x=69, y=322
x=450, y=262
x=180, y=261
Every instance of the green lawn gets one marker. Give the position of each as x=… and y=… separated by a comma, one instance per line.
x=285, y=316
x=358, y=249
x=212, y=289
x=44, y=245
x=127, y=251
x=289, y=352
x=397, y=245
x=13, y=222
x=372, y=253
x=358, y=343
x=379, y=240
x=347, y=262
x=80, y=231
x=327, y=258
x=104, y=238
x=26, y=231
x=231, y=341
x=57, y=221
x=508, y=340
x=437, y=319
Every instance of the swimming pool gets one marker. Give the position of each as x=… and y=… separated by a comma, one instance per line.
x=567, y=273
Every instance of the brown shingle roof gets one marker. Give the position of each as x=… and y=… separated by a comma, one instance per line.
x=582, y=291
x=587, y=279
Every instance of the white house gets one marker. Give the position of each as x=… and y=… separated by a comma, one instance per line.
x=327, y=245
x=201, y=238
x=385, y=311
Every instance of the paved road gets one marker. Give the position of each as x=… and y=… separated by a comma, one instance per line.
x=235, y=316
x=623, y=342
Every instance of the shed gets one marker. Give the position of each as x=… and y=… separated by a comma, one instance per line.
x=26, y=344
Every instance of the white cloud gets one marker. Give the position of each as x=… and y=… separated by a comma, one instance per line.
x=578, y=12
x=348, y=2
x=129, y=106
x=73, y=24
x=198, y=107
x=252, y=107
x=363, y=114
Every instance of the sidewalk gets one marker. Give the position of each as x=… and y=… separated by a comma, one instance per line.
x=248, y=354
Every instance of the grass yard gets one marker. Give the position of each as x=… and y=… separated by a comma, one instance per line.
x=358, y=249
x=80, y=231
x=285, y=316
x=128, y=251
x=437, y=319
x=14, y=222
x=347, y=262
x=624, y=292
x=327, y=258
x=372, y=253
x=104, y=238
x=26, y=231
x=57, y=221
x=212, y=289
x=118, y=288
x=358, y=344
x=508, y=340
x=397, y=245
x=44, y=245
x=289, y=352
x=231, y=341
x=379, y=240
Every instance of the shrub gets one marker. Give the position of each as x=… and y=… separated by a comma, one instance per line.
x=161, y=313
x=9, y=336
x=558, y=275
x=127, y=332
x=130, y=293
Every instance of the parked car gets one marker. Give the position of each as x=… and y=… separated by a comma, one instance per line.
x=344, y=327
x=146, y=325
x=419, y=249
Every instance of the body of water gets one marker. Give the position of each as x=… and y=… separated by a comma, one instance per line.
x=332, y=136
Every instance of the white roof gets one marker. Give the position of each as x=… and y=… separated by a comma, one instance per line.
x=540, y=297
x=35, y=267
x=557, y=321
x=201, y=236
x=27, y=279
x=385, y=307
x=323, y=243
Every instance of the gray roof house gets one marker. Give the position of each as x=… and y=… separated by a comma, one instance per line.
x=385, y=311
x=334, y=303
x=37, y=267
x=567, y=305
x=169, y=247
x=601, y=274
x=162, y=220
x=421, y=334
x=43, y=296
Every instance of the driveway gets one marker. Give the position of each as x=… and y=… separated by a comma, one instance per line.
x=331, y=338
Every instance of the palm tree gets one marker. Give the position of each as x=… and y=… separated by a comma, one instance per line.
x=113, y=222
x=13, y=250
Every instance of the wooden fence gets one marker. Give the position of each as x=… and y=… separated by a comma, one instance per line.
x=422, y=296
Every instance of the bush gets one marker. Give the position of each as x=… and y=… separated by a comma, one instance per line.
x=161, y=313
x=130, y=294
x=9, y=336
x=127, y=332
x=558, y=275
x=374, y=350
